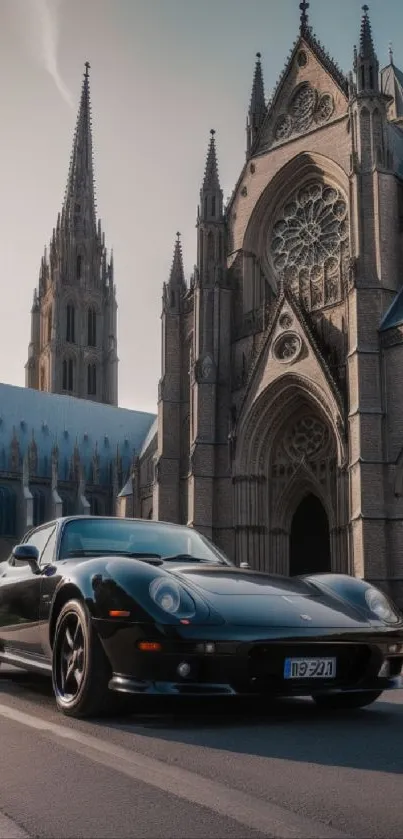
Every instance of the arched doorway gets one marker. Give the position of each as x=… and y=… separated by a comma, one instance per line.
x=309, y=538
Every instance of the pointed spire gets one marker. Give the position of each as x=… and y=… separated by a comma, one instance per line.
x=211, y=179
x=257, y=101
x=366, y=63
x=391, y=57
x=304, y=20
x=257, y=107
x=177, y=275
x=366, y=43
x=80, y=192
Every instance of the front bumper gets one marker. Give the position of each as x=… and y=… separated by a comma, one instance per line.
x=250, y=667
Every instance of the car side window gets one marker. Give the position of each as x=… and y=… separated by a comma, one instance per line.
x=40, y=539
x=47, y=554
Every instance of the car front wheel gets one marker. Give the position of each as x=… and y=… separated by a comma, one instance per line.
x=80, y=670
x=347, y=701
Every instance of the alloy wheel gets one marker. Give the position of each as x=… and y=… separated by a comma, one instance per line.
x=71, y=658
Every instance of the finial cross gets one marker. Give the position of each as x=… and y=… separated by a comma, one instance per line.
x=365, y=8
x=304, y=6
x=87, y=66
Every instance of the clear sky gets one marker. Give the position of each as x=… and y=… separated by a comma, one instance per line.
x=164, y=72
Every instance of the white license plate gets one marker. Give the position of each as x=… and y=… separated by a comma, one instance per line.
x=310, y=668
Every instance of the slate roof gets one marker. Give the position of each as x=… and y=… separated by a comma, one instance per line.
x=52, y=419
x=394, y=315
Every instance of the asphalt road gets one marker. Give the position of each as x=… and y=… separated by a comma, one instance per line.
x=213, y=770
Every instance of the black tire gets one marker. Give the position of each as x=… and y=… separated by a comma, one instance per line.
x=347, y=701
x=80, y=669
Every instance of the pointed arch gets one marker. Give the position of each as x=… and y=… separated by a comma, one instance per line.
x=304, y=167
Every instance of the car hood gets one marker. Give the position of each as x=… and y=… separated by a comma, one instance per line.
x=246, y=598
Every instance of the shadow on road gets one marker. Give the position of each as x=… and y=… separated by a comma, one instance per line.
x=294, y=730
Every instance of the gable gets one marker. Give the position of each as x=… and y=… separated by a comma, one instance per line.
x=311, y=94
x=290, y=347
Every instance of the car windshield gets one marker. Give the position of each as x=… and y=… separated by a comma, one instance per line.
x=95, y=537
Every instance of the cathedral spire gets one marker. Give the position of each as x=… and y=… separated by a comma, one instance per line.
x=211, y=179
x=79, y=202
x=257, y=107
x=365, y=61
x=177, y=275
x=211, y=197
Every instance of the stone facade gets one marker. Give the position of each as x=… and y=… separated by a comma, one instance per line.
x=280, y=431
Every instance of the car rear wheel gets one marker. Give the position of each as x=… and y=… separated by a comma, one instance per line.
x=80, y=670
x=348, y=701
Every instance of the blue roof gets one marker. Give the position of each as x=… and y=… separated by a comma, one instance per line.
x=51, y=419
x=394, y=315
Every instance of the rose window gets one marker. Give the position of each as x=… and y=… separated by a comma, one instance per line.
x=302, y=107
x=309, y=244
x=308, y=438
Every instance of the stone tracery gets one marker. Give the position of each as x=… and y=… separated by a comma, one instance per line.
x=306, y=108
x=308, y=244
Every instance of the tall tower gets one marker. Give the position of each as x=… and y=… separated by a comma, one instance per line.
x=73, y=346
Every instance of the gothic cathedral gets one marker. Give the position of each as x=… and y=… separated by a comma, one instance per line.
x=280, y=431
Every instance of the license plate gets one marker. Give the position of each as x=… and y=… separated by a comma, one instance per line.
x=310, y=668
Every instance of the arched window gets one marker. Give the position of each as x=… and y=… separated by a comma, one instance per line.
x=70, y=324
x=49, y=324
x=43, y=379
x=92, y=328
x=79, y=266
x=39, y=516
x=8, y=512
x=68, y=375
x=92, y=379
x=213, y=202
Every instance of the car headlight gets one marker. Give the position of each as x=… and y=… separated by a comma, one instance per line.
x=380, y=606
x=172, y=598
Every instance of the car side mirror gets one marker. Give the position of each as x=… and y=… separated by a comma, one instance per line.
x=29, y=554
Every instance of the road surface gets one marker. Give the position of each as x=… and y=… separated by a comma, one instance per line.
x=213, y=770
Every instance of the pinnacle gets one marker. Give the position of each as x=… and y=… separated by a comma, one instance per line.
x=257, y=102
x=177, y=275
x=304, y=6
x=211, y=179
x=366, y=43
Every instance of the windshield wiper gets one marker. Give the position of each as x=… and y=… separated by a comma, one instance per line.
x=190, y=558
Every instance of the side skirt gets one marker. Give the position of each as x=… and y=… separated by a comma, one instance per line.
x=26, y=662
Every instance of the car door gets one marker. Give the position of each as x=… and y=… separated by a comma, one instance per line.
x=20, y=591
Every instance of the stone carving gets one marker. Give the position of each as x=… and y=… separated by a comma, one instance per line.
x=288, y=347
x=309, y=244
x=308, y=438
x=283, y=127
x=306, y=108
x=207, y=367
x=325, y=108
x=302, y=58
x=285, y=320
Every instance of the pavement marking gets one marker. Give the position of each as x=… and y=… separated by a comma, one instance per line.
x=10, y=830
x=256, y=813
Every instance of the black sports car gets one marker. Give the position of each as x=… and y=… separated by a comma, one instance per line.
x=144, y=607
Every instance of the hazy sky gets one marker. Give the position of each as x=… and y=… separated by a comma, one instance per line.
x=163, y=73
